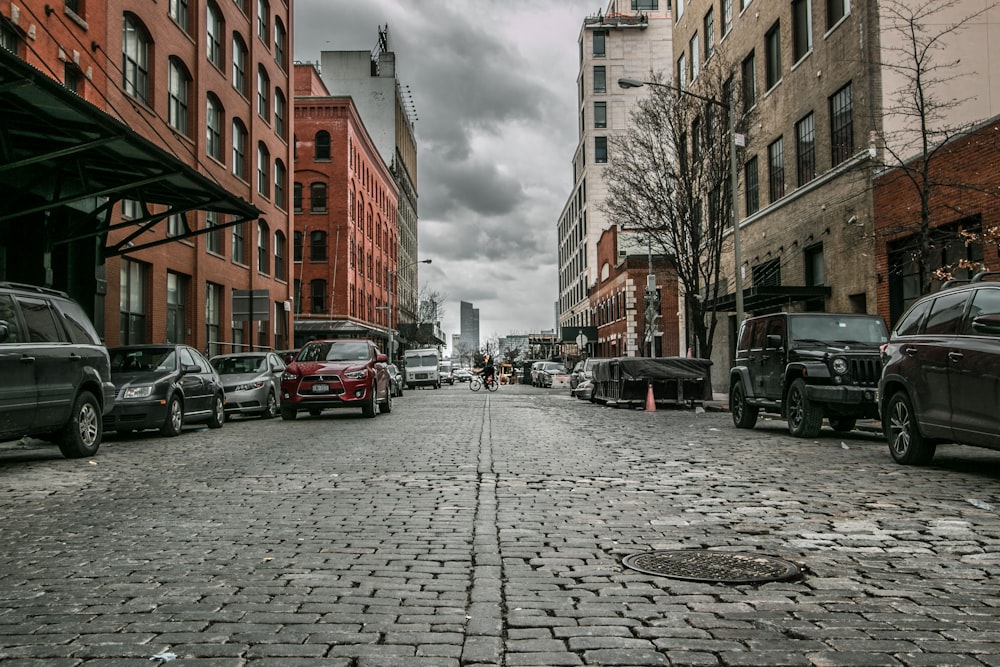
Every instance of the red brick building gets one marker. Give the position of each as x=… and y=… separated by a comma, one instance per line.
x=964, y=198
x=207, y=84
x=346, y=228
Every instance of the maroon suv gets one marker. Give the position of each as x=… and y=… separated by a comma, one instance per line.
x=336, y=374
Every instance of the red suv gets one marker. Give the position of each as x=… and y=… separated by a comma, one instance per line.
x=941, y=373
x=336, y=374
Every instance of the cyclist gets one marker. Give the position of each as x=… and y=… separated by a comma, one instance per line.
x=488, y=369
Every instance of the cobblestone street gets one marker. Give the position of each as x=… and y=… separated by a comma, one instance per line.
x=489, y=529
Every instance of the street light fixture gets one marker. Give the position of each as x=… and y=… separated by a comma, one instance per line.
x=388, y=307
x=731, y=107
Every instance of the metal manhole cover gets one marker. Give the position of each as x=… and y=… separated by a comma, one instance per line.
x=716, y=566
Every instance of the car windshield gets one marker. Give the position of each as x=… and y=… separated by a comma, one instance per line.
x=554, y=368
x=335, y=351
x=843, y=330
x=146, y=360
x=240, y=365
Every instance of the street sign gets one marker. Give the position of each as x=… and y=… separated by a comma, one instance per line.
x=251, y=305
x=581, y=341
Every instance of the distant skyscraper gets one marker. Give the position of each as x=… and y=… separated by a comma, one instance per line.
x=470, y=324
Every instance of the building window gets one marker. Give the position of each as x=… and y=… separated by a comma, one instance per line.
x=176, y=289
x=600, y=46
x=178, y=11
x=801, y=29
x=600, y=150
x=215, y=29
x=239, y=243
x=836, y=10
x=132, y=295
x=680, y=8
x=264, y=21
x=727, y=16
x=72, y=77
x=317, y=297
x=600, y=79
x=767, y=274
x=640, y=5
x=9, y=39
x=279, y=113
x=239, y=64
x=841, y=125
x=805, y=149
x=682, y=71
x=600, y=114
x=695, y=57
x=322, y=145
x=280, y=178
x=263, y=249
x=239, y=149
x=709, y=30
x=317, y=246
x=279, y=256
x=135, y=56
x=178, y=91
x=213, y=239
x=814, y=266
x=263, y=170
x=297, y=296
x=317, y=197
x=213, y=317
x=772, y=56
x=280, y=44
x=749, y=73
x=297, y=247
x=263, y=93
x=776, y=169
x=751, y=184
x=175, y=224
x=280, y=326
x=213, y=128
x=297, y=197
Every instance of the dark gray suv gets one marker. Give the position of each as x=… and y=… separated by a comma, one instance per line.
x=941, y=375
x=807, y=366
x=56, y=373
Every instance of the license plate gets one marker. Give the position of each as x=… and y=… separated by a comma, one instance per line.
x=321, y=388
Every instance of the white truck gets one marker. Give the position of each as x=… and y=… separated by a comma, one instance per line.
x=421, y=368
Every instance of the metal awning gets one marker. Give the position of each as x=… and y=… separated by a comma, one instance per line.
x=345, y=328
x=767, y=297
x=58, y=150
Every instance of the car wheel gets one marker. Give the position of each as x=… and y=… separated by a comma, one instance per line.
x=271, y=408
x=289, y=414
x=744, y=416
x=906, y=444
x=175, y=418
x=385, y=407
x=843, y=424
x=82, y=435
x=218, y=417
x=804, y=418
x=370, y=408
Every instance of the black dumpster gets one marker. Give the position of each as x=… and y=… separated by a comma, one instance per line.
x=678, y=380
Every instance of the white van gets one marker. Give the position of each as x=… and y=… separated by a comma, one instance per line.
x=444, y=371
x=422, y=368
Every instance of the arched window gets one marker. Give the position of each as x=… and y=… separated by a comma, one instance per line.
x=263, y=251
x=213, y=128
x=239, y=149
x=280, y=44
x=280, y=271
x=280, y=111
x=264, y=21
x=215, y=28
x=178, y=94
x=317, y=197
x=317, y=246
x=280, y=176
x=263, y=93
x=263, y=170
x=317, y=297
x=136, y=45
x=322, y=145
x=239, y=64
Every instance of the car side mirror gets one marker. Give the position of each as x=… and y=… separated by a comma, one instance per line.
x=987, y=324
x=773, y=341
x=4, y=332
x=189, y=368
x=381, y=358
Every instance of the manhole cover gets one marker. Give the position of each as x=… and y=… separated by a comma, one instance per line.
x=717, y=566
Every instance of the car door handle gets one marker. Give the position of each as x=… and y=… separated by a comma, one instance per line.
x=27, y=359
x=73, y=356
x=956, y=356
x=910, y=351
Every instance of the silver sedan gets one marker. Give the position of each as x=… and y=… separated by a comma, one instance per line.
x=252, y=381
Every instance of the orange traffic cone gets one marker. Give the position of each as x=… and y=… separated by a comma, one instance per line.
x=650, y=401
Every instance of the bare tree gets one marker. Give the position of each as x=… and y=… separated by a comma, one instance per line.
x=669, y=179
x=917, y=67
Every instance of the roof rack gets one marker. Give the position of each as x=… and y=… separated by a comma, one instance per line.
x=954, y=282
x=986, y=276
x=34, y=288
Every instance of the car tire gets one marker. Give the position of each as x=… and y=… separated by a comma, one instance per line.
x=370, y=408
x=289, y=414
x=906, y=444
x=82, y=434
x=174, y=421
x=385, y=407
x=744, y=415
x=843, y=424
x=218, y=417
x=270, y=407
x=804, y=418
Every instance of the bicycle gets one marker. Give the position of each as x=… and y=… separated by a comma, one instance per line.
x=478, y=382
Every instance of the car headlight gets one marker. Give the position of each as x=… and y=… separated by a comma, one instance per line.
x=138, y=392
x=247, y=386
x=288, y=375
x=357, y=375
x=839, y=366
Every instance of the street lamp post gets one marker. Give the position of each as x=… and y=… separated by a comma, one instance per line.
x=388, y=307
x=731, y=107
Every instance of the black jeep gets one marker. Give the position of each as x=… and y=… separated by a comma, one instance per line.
x=807, y=366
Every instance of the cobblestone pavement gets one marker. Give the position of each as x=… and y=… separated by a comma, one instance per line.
x=489, y=529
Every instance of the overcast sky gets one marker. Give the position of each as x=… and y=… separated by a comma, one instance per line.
x=494, y=86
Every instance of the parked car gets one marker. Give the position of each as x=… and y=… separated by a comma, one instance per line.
x=55, y=375
x=445, y=373
x=548, y=371
x=164, y=387
x=395, y=379
x=584, y=390
x=462, y=375
x=286, y=355
x=583, y=370
x=252, y=382
x=345, y=373
x=940, y=372
x=807, y=366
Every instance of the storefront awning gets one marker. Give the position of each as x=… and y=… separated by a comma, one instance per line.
x=767, y=297
x=58, y=150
